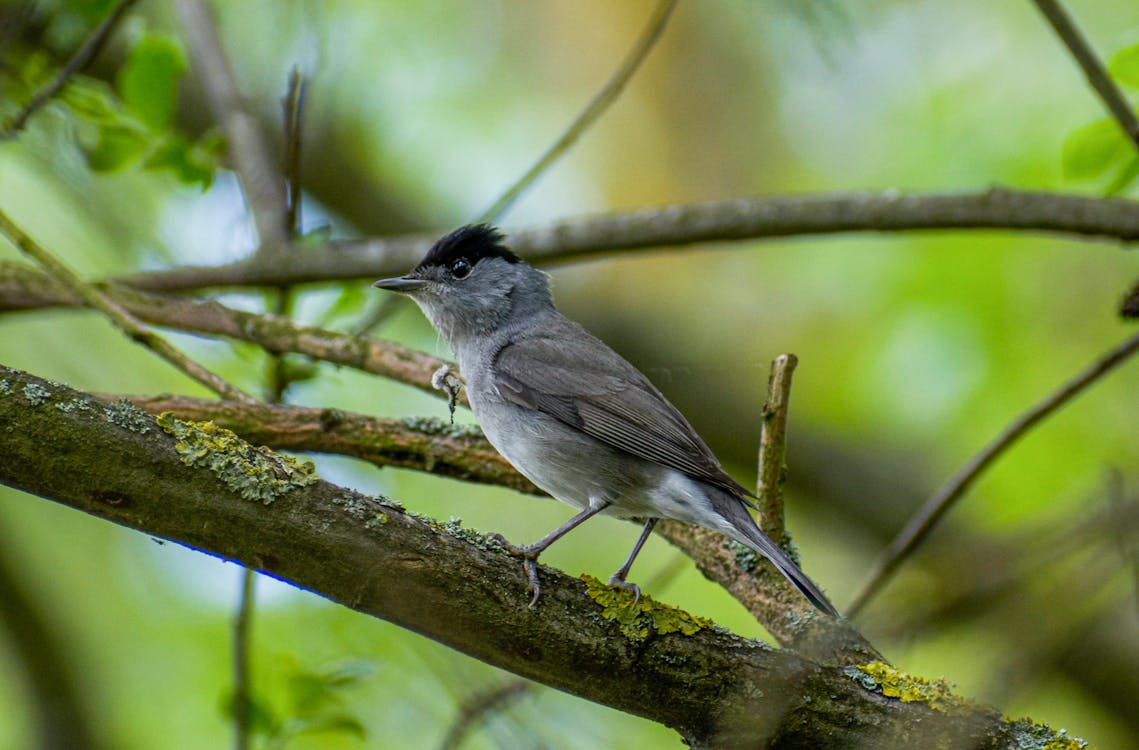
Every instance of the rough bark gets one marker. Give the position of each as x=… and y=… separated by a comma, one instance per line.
x=449, y=584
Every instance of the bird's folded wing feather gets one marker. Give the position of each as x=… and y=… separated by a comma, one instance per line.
x=588, y=386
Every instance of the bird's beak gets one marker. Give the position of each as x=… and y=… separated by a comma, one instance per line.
x=401, y=284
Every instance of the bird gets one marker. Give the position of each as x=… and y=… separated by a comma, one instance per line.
x=570, y=413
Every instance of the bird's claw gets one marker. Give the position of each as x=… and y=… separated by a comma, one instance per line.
x=619, y=582
x=529, y=557
x=447, y=380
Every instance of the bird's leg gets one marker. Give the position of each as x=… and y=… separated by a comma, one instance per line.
x=529, y=553
x=618, y=578
x=447, y=380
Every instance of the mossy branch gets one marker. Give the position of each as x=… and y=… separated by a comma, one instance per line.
x=715, y=689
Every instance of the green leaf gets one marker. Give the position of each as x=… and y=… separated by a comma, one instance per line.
x=116, y=147
x=1124, y=176
x=1093, y=149
x=92, y=100
x=1124, y=66
x=338, y=723
x=351, y=301
x=148, y=80
x=190, y=163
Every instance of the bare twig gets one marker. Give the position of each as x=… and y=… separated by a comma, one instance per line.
x=126, y=322
x=242, y=677
x=1128, y=546
x=247, y=148
x=1094, y=70
x=293, y=106
x=596, y=107
x=926, y=519
x=681, y=225
x=87, y=52
x=482, y=705
x=773, y=448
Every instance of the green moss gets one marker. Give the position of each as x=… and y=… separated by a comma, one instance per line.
x=433, y=426
x=36, y=394
x=639, y=619
x=1029, y=735
x=254, y=472
x=894, y=683
x=128, y=416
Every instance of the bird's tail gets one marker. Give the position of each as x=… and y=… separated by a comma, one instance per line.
x=747, y=532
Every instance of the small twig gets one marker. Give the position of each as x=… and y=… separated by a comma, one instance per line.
x=247, y=148
x=126, y=322
x=596, y=107
x=926, y=519
x=481, y=706
x=773, y=448
x=87, y=52
x=242, y=670
x=1094, y=70
x=1128, y=546
x=293, y=105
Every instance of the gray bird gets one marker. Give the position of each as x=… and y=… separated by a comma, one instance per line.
x=570, y=413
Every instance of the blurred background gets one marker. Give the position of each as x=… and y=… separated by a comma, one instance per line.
x=915, y=349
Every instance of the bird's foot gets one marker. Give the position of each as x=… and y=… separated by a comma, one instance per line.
x=619, y=581
x=529, y=557
x=446, y=379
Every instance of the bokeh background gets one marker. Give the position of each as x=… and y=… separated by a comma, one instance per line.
x=915, y=349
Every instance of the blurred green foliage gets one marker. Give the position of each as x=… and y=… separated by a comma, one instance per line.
x=915, y=349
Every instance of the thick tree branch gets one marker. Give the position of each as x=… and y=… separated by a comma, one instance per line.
x=676, y=226
x=463, y=453
x=716, y=689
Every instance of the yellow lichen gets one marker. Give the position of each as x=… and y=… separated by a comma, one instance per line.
x=254, y=472
x=640, y=618
x=893, y=683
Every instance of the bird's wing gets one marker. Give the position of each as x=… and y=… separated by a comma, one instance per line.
x=580, y=381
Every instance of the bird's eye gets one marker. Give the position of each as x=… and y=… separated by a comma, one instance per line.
x=460, y=268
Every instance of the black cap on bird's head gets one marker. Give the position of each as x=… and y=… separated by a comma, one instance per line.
x=457, y=253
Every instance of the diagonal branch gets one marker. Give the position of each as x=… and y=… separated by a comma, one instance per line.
x=922, y=524
x=249, y=153
x=85, y=54
x=596, y=107
x=1097, y=75
x=122, y=319
x=451, y=586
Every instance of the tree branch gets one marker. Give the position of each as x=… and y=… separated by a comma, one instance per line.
x=85, y=54
x=596, y=107
x=260, y=179
x=714, y=688
x=1102, y=83
x=121, y=318
x=23, y=288
x=922, y=523
x=680, y=225
x=773, y=448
